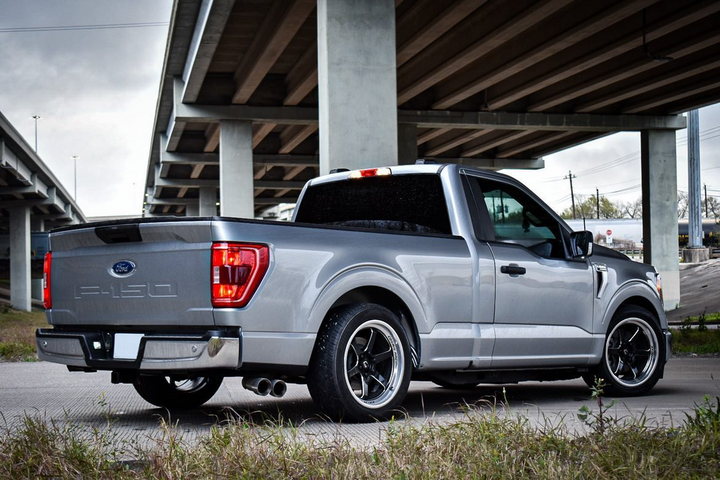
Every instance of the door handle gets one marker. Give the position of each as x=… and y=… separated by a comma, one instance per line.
x=513, y=270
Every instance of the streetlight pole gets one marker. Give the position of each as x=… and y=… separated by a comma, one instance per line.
x=75, y=157
x=36, y=118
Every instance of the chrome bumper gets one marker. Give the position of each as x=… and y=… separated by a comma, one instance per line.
x=155, y=352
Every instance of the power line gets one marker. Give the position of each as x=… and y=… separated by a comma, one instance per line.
x=62, y=28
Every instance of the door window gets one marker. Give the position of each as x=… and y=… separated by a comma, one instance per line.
x=517, y=218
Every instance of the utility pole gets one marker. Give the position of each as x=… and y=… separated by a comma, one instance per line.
x=597, y=196
x=36, y=118
x=570, y=177
x=707, y=212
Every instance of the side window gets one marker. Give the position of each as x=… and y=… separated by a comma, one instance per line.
x=516, y=218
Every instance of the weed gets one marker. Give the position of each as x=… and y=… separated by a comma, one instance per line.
x=599, y=421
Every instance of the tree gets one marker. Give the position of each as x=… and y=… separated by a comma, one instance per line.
x=682, y=202
x=586, y=207
x=713, y=208
x=630, y=209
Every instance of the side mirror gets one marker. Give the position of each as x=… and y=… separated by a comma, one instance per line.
x=581, y=244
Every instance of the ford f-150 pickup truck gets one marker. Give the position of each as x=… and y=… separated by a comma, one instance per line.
x=429, y=272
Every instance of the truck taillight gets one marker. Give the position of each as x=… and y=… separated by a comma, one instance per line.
x=237, y=270
x=47, y=265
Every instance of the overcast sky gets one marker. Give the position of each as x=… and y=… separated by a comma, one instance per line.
x=96, y=90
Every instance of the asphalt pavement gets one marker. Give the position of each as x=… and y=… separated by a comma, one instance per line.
x=89, y=401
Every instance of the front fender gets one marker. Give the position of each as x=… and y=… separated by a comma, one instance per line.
x=635, y=289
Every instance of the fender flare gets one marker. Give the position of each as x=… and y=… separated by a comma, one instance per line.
x=634, y=289
x=362, y=276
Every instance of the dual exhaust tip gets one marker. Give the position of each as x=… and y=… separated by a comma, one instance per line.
x=263, y=386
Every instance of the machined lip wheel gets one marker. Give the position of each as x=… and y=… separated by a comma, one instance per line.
x=632, y=352
x=187, y=385
x=374, y=364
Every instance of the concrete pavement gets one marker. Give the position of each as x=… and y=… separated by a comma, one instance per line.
x=49, y=391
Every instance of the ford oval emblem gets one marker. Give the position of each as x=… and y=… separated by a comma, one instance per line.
x=123, y=268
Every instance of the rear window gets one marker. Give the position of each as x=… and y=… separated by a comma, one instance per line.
x=413, y=203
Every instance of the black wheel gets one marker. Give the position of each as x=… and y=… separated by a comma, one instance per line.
x=360, y=369
x=177, y=392
x=633, y=354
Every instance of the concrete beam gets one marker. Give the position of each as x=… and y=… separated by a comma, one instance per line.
x=496, y=163
x=435, y=119
x=436, y=28
x=294, y=136
x=36, y=187
x=422, y=81
x=709, y=39
x=673, y=22
x=540, y=121
x=279, y=26
x=459, y=90
x=457, y=140
x=502, y=140
x=11, y=162
x=209, y=27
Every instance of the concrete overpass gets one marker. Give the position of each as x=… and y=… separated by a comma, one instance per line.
x=258, y=96
x=31, y=199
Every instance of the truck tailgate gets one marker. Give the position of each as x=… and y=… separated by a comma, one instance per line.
x=135, y=273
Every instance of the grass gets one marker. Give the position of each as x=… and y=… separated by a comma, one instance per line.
x=703, y=317
x=17, y=334
x=696, y=341
x=477, y=446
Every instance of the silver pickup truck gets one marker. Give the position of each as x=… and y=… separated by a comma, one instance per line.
x=428, y=272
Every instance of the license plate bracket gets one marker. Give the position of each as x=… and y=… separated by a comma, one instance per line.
x=127, y=346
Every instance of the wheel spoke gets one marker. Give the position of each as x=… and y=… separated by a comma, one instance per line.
x=381, y=381
x=353, y=371
x=614, y=350
x=381, y=357
x=370, y=342
x=644, y=353
x=365, y=387
x=620, y=366
x=634, y=371
x=634, y=335
x=357, y=349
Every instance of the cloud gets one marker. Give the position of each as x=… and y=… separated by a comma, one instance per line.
x=96, y=92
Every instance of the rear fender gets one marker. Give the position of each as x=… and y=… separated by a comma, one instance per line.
x=368, y=276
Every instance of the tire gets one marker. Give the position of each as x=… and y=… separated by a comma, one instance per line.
x=633, y=354
x=176, y=392
x=361, y=366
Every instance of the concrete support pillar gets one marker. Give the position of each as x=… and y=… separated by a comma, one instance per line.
x=192, y=209
x=407, y=144
x=660, y=222
x=20, y=258
x=37, y=224
x=236, y=169
x=357, y=84
x=207, y=202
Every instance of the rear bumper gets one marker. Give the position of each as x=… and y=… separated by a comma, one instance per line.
x=215, y=349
